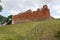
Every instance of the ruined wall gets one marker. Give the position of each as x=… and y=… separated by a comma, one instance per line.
x=40, y=14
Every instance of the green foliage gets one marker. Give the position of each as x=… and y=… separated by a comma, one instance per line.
x=6, y=20
x=59, y=19
x=57, y=34
x=9, y=20
x=0, y=7
x=2, y=19
x=10, y=16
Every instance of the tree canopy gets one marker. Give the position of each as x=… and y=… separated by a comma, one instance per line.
x=0, y=6
x=7, y=20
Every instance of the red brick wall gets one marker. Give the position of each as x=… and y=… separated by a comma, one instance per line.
x=29, y=15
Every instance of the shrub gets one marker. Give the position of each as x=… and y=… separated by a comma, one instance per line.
x=57, y=35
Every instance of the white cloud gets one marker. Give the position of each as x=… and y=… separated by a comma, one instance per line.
x=23, y=5
x=18, y=4
x=56, y=7
x=14, y=12
x=58, y=11
x=56, y=16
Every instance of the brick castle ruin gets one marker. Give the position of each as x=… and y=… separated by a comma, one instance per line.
x=40, y=14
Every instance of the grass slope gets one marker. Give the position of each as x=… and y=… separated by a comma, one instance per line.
x=38, y=30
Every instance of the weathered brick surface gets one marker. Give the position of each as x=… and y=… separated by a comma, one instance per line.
x=40, y=14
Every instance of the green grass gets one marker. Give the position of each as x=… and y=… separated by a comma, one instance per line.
x=37, y=30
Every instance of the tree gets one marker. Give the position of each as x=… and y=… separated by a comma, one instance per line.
x=9, y=20
x=0, y=7
x=2, y=19
x=5, y=20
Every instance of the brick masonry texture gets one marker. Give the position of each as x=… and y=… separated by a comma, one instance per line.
x=29, y=15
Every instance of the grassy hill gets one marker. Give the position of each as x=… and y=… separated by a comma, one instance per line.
x=37, y=30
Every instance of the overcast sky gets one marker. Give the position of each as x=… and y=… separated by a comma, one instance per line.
x=13, y=7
